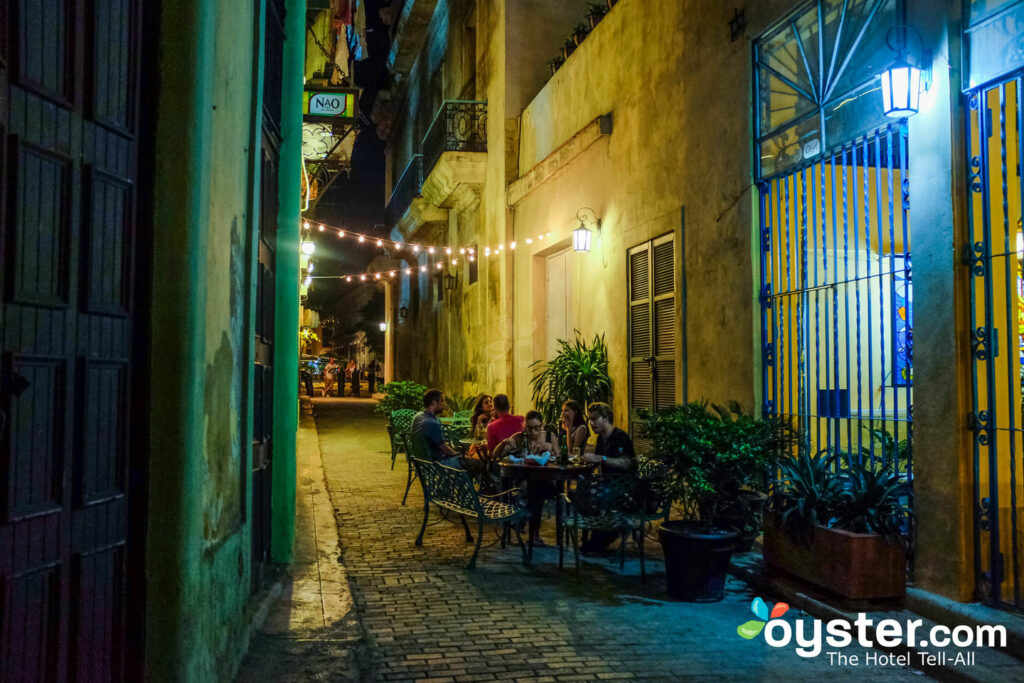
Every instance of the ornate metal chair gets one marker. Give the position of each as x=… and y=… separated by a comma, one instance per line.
x=606, y=503
x=451, y=488
x=398, y=426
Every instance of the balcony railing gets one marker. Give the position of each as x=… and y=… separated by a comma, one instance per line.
x=459, y=126
x=406, y=189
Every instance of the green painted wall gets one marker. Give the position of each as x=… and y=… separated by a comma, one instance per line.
x=206, y=198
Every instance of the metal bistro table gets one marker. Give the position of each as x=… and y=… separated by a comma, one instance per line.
x=552, y=472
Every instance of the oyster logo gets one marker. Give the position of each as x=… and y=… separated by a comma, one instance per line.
x=753, y=628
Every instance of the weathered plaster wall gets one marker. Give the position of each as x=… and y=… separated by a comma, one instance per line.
x=198, y=546
x=679, y=95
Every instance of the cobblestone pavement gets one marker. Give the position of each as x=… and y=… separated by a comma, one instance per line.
x=425, y=617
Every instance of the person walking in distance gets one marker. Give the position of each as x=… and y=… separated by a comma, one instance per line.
x=371, y=375
x=330, y=374
x=356, y=376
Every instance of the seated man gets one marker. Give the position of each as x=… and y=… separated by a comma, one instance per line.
x=427, y=428
x=614, y=453
x=503, y=426
x=532, y=440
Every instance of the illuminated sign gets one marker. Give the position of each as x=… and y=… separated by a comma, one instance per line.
x=323, y=105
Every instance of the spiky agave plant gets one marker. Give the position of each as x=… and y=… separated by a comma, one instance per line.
x=579, y=371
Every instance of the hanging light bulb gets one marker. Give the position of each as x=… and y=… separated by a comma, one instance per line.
x=322, y=228
x=307, y=281
x=472, y=258
x=471, y=250
x=362, y=278
x=376, y=276
x=540, y=236
x=348, y=279
x=455, y=261
x=398, y=245
x=408, y=271
x=306, y=225
x=361, y=239
x=448, y=250
x=512, y=245
x=487, y=251
x=309, y=268
x=380, y=243
x=549, y=234
x=391, y=274
x=529, y=240
x=415, y=248
x=430, y=250
x=462, y=250
x=341, y=233
x=439, y=265
x=423, y=269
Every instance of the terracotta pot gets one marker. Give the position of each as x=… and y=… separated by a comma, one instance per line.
x=855, y=566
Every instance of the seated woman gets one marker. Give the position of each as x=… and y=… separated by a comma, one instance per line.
x=532, y=440
x=481, y=416
x=574, y=427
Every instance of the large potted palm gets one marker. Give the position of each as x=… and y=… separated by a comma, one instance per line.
x=579, y=371
x=707, y=459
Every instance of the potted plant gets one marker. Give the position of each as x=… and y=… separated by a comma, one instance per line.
x=579, y=371
x=400, y=395
x=839, y=522
x=568, y=47
x=579, y=34
x=707, y=458
x=595, y=13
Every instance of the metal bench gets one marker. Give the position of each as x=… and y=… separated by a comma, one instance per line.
x=451, y=488
x=399, y=424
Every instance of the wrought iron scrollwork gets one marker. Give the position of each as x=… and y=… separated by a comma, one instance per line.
x=977, y=259
x=984, y=513
x=973, y=102
x=460, y=126
x=766, y=295
x=974, y=178
x=979, y=344
x=982, y=428
x=769, y=354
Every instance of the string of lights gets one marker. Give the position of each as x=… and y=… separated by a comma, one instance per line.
x=416, y=247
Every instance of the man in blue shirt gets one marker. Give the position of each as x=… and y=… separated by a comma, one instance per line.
x=427, y=428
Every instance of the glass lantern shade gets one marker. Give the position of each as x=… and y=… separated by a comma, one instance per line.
x=308, y=247
x=901, y=89
x=383, y=327
x=581, y=239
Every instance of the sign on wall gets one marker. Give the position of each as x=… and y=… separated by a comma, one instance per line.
x=330, y=105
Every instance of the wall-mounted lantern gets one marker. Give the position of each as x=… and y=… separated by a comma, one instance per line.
x=308, y=246
x=902, y=82
x=403, y=312
x=451, y=281
x=581, y=235
x=383, y=327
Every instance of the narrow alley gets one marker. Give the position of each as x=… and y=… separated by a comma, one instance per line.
x=423, y=616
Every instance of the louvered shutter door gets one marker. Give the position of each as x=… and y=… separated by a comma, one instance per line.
x=664, y=323
x=641, y=385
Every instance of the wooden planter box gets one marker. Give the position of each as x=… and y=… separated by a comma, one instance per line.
x=855, y=566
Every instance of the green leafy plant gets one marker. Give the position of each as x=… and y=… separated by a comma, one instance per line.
x=399, y=395
x=307, y=336
x=806, y=492
x=872, y=501
x=455, y=403
x=578, y=371
x=709, y=457
x=829, y=489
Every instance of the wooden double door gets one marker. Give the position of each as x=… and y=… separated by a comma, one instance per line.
x=70, y=133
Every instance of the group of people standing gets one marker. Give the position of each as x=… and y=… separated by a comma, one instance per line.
x=353, y=377
x=506, y=434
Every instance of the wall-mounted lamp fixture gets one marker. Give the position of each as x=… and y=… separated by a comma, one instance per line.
x=403, y=312
x=451, y=281
x=383, y=327
x=308, y=246
x=581, y=235
x=903, y=82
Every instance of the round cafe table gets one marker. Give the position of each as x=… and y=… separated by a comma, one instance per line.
x=552, y=472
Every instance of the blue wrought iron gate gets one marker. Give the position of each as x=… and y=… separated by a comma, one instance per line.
x=836, y=300
x=994, y=255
